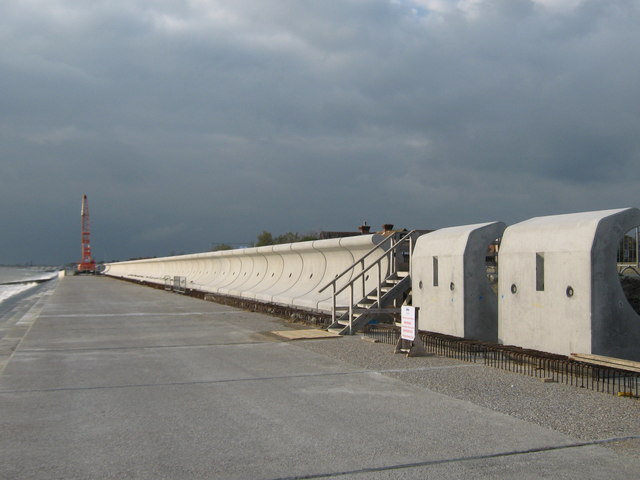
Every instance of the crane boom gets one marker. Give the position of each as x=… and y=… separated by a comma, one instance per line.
x=87, y=264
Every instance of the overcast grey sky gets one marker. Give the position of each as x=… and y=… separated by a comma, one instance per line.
x=193, y=122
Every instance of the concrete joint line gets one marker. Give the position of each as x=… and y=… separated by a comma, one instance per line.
x=179, y=384
x=141, y=347
x=213, y=382
x=428, y=463
x=139, y=314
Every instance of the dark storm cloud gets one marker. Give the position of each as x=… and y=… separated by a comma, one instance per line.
x=192, y=123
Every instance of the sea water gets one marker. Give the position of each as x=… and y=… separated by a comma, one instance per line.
x=16, y=280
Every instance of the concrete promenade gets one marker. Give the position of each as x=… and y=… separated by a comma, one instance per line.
x=117, y=381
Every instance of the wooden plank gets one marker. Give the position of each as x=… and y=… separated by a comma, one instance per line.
x=304, y=334
x=606, y=361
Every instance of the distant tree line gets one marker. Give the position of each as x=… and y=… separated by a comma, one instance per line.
x=266, y=238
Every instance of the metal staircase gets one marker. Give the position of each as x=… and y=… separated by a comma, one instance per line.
x=393, y=269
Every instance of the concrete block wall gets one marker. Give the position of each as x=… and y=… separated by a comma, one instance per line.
x=288, y=274
x=559, y=290
x=449, y=282
x=559, y=286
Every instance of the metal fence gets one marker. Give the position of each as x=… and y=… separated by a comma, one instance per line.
x=549, y=367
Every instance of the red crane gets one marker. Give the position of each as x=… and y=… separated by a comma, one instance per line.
x=87, y=264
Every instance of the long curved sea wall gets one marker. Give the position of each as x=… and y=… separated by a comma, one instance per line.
x=290, y=274
x=558, y=288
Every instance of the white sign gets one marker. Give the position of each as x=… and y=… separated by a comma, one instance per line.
x=408, y=325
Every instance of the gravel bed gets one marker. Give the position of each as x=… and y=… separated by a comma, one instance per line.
x=580, y=413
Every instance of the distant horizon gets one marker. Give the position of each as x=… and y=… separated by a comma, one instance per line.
x=29, y=264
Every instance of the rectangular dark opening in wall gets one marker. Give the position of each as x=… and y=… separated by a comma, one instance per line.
x=540, y=272
x=435, y=271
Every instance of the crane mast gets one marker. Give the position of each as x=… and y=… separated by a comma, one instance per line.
x=87, y=264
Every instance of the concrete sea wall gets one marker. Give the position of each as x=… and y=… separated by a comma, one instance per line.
x=290, y=274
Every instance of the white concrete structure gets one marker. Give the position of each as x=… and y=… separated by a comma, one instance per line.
x=559, y=287
x=449, y=280
x=289, y=274
x=559, y=290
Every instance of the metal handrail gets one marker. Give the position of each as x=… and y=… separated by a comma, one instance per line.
x=351, y=267
x=377, y=262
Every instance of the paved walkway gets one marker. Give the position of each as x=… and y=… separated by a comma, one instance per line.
x=118, y=381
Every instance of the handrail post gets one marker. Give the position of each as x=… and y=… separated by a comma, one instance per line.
x=379, y=283
x=392, y=250
x=396, y=246
x=351, y=309
x=410, y=256
x=363, y=285
x=333, y=304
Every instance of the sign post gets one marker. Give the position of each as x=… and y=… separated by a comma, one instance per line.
x=409, y=341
